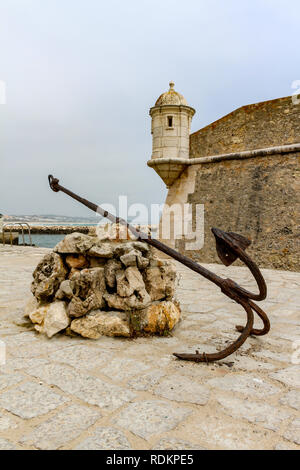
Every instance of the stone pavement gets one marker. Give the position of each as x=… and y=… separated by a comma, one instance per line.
x=71, y=393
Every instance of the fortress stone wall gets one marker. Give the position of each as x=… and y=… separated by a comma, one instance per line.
x=255, y=195
x=267, y=124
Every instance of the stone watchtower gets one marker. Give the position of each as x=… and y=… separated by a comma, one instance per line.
x=170, y=129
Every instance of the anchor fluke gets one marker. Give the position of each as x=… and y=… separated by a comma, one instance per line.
x=227, y=243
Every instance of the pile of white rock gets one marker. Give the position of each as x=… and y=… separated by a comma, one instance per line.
x=94, y=286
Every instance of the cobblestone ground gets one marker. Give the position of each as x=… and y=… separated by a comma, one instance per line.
x=70, y=393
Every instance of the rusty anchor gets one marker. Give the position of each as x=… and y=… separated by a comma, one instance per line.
x=230, y=246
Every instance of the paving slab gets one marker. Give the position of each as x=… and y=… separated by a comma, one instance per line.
x=61, y=428
x=105, y=438
x=147, y=418
x=30, y=400
x=114, y=393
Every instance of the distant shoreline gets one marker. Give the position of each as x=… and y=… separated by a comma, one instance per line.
x=52, y=229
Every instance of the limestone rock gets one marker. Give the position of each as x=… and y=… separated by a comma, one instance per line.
x=121, y=248
x=124, y=289
x=76, y=261
x=129, y=281
x=142, y=246
x=97, y=262
x=134, y=258
x=131, y=292
x=154, y=262
x=140, y=300
x=127, y=303
x=75, y=243
x=65, y=290
x=103, y=250
x=72, y=272
x=135, y=279
x=117, y=302
x=99, y=323
x=110, y=269
x=48, y=275
x=124, y=248
x=50, y=318
x=38, y=315
x=129, y=259
x=31, y=305
x=39, y=328
x=159, y=317
x=56, y=318
x=160, y=281
x=142, y=262
x=88, y=290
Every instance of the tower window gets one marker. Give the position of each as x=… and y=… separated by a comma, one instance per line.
x=170, y=121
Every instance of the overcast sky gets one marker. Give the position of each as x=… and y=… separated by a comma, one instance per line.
x=81, y=76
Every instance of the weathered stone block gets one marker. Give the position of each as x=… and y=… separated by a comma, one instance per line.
x=38, y=315
x=75, y=243
x=88, y=290
x=48, y=275
x=103, y=250
x=160, y=281
x=111, y=267
x=76, y=261
x=99, y=323
x=159, y=317
x=65, y=290
x=56, y=318
x=50, y=318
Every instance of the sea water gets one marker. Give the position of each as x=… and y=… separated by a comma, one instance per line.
x=44, y=240
x=49, y=240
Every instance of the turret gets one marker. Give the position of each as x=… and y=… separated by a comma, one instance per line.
x=170, y=129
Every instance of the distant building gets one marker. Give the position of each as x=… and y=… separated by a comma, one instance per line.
x=244, y=168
